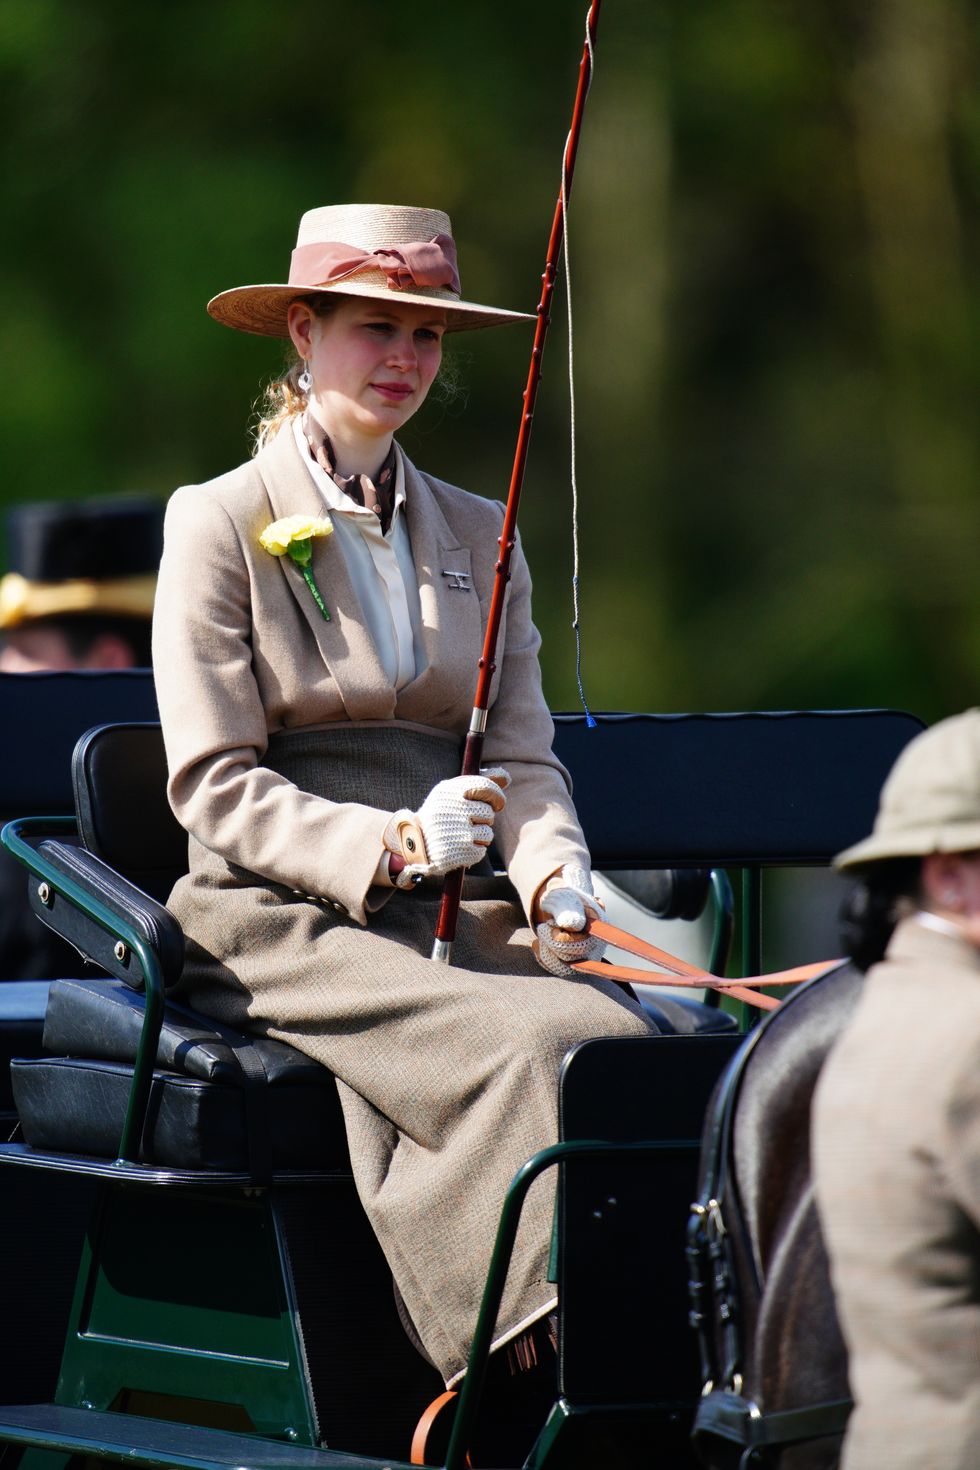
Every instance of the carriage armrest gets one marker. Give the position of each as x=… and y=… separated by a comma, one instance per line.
x=114, y=925
x=91, y=927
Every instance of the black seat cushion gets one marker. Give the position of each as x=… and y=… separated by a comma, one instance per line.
x=102, y=1019
x=77, y=1105
x=219, y=1096
x=682, y=1015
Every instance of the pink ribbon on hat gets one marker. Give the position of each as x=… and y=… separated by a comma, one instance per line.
x=417, y=263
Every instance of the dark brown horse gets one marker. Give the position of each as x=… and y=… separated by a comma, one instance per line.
x=773, y=1360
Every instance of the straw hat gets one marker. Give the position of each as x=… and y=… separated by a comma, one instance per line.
x=931, y=800
x=391, y=251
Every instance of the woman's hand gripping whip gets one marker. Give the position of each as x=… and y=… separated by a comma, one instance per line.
x=473, y=750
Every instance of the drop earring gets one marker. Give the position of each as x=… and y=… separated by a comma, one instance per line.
x=305, y=380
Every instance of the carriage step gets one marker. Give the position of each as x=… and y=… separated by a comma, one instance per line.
x=137, y=1441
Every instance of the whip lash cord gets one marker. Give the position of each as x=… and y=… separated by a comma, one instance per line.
x=589, y=718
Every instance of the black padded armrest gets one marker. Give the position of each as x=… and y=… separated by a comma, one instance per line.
x=120, y=899
x=103, y=1020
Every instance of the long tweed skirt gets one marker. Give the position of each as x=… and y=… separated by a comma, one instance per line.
x=447, y=1073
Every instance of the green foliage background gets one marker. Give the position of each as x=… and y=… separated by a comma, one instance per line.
x=774, y=250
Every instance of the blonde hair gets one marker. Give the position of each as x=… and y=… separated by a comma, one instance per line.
x=283, y=398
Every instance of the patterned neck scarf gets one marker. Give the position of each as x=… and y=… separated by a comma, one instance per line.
x=377, y=495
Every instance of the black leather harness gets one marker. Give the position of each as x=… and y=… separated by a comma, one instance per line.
x=730, y=1429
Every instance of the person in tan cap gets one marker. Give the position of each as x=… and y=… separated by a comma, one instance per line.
x=319, y=620
x=896, y=1126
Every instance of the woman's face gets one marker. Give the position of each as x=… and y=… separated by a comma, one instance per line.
x=372, y=361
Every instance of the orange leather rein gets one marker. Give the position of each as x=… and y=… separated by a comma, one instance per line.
x=674, y=971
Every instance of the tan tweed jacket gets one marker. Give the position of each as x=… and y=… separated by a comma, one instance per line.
x=896, y=1151
x=241, y=651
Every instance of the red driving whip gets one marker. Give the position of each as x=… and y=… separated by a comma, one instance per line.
x=473, y=751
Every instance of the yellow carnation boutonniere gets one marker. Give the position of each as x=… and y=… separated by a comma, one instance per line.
x=293, y=537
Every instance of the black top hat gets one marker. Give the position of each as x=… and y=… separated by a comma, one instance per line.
x=78, y=557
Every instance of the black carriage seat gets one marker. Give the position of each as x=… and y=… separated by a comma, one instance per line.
x=220, y=1099
x=43, y=716
x=706, y=790
x=208, y=1109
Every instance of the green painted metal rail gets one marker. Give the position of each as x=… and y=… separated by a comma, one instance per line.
x=493, y=1292
x=14, y=838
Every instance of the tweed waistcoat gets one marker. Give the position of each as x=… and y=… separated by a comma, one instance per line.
x=388, y=765
x=391, y=765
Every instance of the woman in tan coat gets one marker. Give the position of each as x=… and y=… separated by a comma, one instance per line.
x=896, y=1128
x=318, y=623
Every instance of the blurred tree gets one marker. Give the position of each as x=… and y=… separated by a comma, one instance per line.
x=774, y=250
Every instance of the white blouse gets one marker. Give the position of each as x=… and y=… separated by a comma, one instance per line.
x=381, y=568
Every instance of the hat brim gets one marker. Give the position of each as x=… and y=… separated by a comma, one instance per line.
x=918, y=842
x=23, y=601
x=262, y=309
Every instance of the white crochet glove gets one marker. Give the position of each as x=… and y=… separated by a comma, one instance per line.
x=569, y=902
x=451, y=829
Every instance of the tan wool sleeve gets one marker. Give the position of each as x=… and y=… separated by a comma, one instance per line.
x=215, y=728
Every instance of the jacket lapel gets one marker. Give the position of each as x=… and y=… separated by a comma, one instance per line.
x=451, y=616
x=344, y=642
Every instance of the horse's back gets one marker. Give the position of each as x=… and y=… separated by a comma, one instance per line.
x=790, y=1352
x=771, y=1120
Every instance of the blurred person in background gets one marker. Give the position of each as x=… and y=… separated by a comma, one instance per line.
x=78, y=595
x=79, y=590
x=896, y=1124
